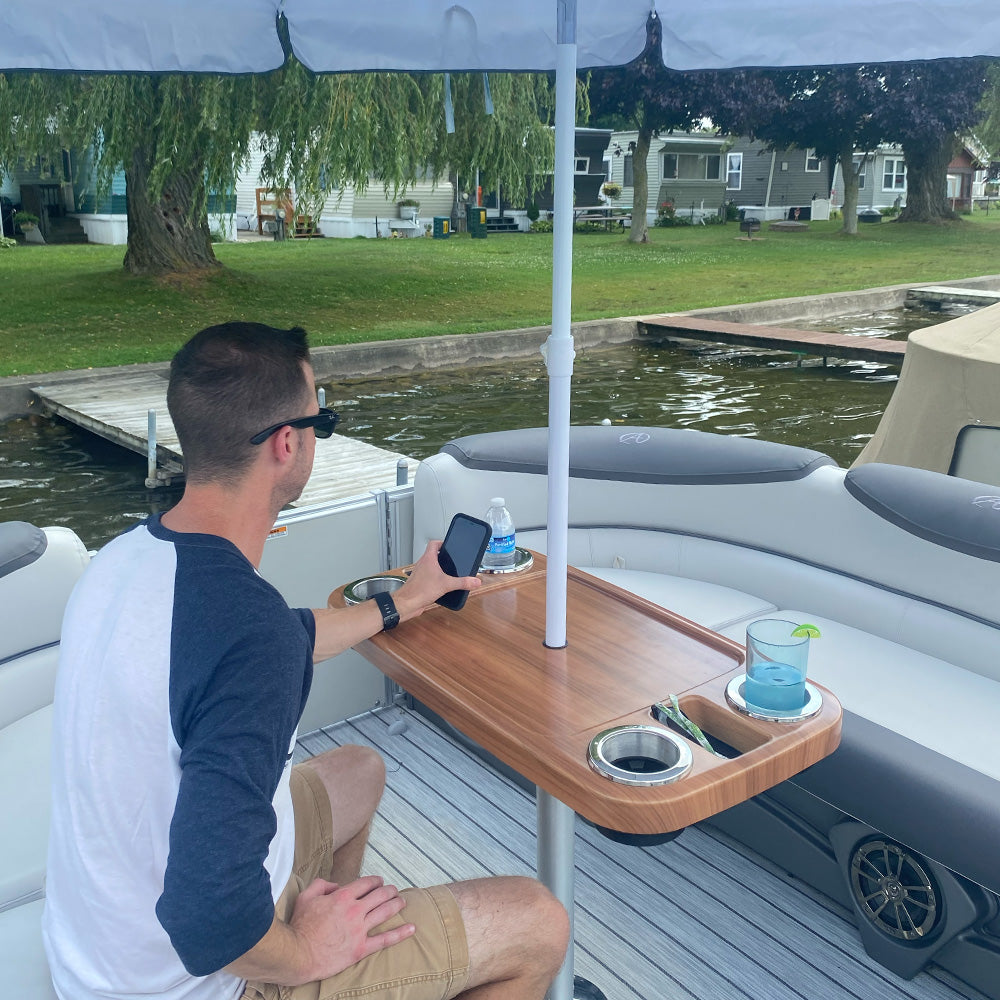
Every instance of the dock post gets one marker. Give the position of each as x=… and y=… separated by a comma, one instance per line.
x=402, y=472
x=321, y=396
x=151, y=481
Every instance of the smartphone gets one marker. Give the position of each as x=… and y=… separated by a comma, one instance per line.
x=461, y=553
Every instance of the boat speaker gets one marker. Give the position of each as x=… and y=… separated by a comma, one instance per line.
x=894, y=889
x=907, y=907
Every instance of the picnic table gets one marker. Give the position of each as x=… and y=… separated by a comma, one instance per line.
x=602, y=213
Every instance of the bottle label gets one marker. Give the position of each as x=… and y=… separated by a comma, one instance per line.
x=502, y=545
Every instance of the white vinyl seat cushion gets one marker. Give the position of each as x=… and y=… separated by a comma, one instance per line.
x=708, y=604
x=24, y=819
x=937, y=704
x=22, y=956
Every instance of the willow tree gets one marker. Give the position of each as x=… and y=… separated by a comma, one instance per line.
x=180, y=137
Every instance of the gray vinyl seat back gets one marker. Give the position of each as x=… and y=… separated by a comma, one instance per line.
x=38, y=569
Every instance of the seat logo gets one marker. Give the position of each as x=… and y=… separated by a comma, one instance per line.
x=638, y=437
x=986, y=501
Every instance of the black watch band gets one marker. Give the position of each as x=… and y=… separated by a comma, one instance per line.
x=390, y=616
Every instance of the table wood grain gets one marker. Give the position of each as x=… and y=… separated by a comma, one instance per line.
x=487, y=670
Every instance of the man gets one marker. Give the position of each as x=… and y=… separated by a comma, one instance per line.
x=187, y=858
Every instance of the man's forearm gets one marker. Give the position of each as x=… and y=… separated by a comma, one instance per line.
x=278, y=957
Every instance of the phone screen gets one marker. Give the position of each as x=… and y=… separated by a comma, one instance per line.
x=461, y=553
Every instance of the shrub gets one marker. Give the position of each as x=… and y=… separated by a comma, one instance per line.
x=532, y=212
x=541, y=226
x=666, y=215
x=408, y=203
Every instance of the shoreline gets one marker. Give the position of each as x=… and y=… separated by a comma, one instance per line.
x=378, y=357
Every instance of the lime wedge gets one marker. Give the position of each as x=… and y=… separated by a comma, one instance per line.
x=806, y=630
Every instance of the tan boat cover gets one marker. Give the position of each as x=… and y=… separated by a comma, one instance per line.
x=950, y=379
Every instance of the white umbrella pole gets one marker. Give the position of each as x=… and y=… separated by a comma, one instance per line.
x=555, y=819
x=559, y=352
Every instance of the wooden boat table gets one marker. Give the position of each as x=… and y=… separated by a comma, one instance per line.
x=487, y=671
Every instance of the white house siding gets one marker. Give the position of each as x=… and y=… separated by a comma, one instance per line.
x=373, y=204
x=347, y=213
x=873, y=192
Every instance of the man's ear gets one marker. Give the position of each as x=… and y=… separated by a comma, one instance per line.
x=283, y=444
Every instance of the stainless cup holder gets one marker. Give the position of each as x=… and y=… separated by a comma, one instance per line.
x=368, y=586
x=639, y=755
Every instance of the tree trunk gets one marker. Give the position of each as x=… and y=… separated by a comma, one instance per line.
x=164, y=236
x=927, y=179
x=639, y=233
x=850, y=174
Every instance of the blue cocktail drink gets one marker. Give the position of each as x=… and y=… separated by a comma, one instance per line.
x=776, y=666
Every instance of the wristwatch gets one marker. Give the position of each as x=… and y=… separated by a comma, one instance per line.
x=390, y=616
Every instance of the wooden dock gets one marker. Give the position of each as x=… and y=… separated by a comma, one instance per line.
x=936, y=296
x=116, y=406
x=776, y=338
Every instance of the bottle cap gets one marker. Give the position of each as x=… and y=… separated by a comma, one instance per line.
x=496, y=502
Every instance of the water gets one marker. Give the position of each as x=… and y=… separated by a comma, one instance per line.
x=777, y=687
x=53, y=473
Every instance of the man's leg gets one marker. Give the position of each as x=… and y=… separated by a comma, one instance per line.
x=354, y=778
x=517, y=933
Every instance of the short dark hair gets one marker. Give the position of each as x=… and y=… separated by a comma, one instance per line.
x=228, y=382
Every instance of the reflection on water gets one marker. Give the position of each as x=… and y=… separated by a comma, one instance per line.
x=52, y=473
x=833, y=409
x=892, y=324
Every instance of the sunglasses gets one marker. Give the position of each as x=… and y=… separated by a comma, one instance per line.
x=322, y=423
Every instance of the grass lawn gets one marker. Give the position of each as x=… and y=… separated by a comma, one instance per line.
x=74, y=306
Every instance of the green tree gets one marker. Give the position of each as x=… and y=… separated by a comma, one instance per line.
x=927, y=106
x=831, y=110
x=651, y=99
x=180, y=137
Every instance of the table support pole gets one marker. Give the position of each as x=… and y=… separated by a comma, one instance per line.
x=556, y=834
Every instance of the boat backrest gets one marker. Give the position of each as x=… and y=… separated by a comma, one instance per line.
x=38, y=569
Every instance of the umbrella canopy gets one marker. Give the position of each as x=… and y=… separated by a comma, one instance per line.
x=241, y=36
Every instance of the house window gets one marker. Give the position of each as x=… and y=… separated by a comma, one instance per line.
x=860, y=170
x=813, y=163
x=629, y=175
x=734, y=171
x=692, y=166
x=581, y=165
x=894, y=176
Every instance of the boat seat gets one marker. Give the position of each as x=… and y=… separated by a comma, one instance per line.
x=22, y=958
x=708, y=604
x=38, y=569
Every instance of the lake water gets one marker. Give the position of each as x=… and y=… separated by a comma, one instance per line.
x=54, y=473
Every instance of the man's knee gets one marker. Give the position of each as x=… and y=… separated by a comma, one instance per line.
x=552, y=925
x=513, y=923
x=362, y=766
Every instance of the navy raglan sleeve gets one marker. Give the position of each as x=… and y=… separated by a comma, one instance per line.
x=238, y=684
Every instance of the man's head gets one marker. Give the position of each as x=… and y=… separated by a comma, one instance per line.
x=228, y=383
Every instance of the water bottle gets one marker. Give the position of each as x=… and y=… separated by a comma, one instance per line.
x=500, y=553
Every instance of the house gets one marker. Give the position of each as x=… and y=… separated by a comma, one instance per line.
x=589, y=151
x=777, y=184
x=64, y=197
x=348, y=212
x=686, y=168
x=881, y=178
x=967, y=174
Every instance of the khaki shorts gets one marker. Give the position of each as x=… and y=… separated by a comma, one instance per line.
x=433, y=964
